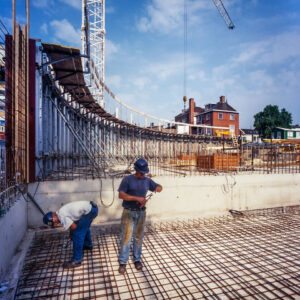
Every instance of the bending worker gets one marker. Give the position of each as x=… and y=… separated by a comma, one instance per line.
x=77, y=217
x=133, y=190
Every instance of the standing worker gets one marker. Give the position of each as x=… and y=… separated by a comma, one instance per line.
x=133, y=190
x=78, y=217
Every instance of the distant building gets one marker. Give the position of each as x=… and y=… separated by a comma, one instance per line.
x=286, y=133
x=250, y=136
x=188, y=116
x=219, y=114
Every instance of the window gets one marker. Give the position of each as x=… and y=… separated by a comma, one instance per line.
x=232, y=128
x=232, y=117
x=208, y=131
x=290, y=134
x=207, y=117
x=220, y=116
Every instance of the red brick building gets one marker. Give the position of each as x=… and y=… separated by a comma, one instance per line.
x=219, y=114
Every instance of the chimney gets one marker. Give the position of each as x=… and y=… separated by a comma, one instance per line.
x=222, y=99
x=191, y=110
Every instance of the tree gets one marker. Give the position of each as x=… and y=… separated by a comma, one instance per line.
x=266, y=120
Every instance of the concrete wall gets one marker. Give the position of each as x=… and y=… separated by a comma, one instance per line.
x=13, y=227
x=182, y=197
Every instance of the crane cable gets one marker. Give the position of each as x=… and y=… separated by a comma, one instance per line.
x=184, y=51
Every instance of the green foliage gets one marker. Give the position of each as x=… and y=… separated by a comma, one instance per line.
x=266, y=120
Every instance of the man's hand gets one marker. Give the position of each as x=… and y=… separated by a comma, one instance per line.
x=158, y=189
x=72, y=228
x=127, y=197
x=142, y=201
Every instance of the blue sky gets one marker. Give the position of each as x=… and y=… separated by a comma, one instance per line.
x=256, y=64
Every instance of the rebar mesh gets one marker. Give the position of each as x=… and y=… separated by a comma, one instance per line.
x=253, y=257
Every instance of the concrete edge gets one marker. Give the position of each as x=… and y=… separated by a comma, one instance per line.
x=16, y=265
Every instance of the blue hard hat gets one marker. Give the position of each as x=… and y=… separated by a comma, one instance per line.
x=48, y=219
x=141, y=166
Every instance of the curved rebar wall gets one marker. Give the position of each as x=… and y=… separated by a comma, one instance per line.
x=73, y=142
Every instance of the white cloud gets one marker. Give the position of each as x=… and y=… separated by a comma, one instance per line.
x=141, y=82
x=65, y=32
x=44, y=28
x=164, y=70
x=197, y=75
x=167, y=16
x=251, y=52
x=8, y=22
x=109, y=9
x=261, y=79
x=114, y=81
x=74, y=3
x=275, y=49
x=111, y=49
x=172, y=66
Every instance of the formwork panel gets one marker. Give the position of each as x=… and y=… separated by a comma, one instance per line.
x=251, y=257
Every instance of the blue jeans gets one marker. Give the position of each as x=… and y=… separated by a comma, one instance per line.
x=82, y=235
x=132, y=225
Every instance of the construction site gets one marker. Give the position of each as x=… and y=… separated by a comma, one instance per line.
x=225, y=226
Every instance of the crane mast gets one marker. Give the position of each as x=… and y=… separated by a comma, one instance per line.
x=93, y=46
x=223, y=12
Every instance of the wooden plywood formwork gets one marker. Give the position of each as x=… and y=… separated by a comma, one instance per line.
x=218, y=161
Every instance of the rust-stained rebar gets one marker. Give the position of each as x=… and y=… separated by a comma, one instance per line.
x=255, y=256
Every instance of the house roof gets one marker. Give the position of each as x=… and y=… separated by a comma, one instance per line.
x=220, y=106
x=223, y=106
x=250, y=131
x=186, y=112
x=199, y=109
x=288, y=129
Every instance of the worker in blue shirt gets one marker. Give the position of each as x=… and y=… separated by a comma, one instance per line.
x=133, y=190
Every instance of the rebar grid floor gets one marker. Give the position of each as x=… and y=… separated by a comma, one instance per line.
x=252, y=257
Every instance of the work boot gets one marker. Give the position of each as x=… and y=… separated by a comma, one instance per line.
x=122, y=268
x=90, y=248
x=138, y=265
x=71, y=264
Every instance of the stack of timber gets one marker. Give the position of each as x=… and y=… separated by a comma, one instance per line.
x=218, y=161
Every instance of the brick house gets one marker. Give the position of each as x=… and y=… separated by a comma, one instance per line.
x=219, y=114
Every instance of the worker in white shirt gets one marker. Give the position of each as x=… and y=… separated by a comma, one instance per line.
x=77, y=217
